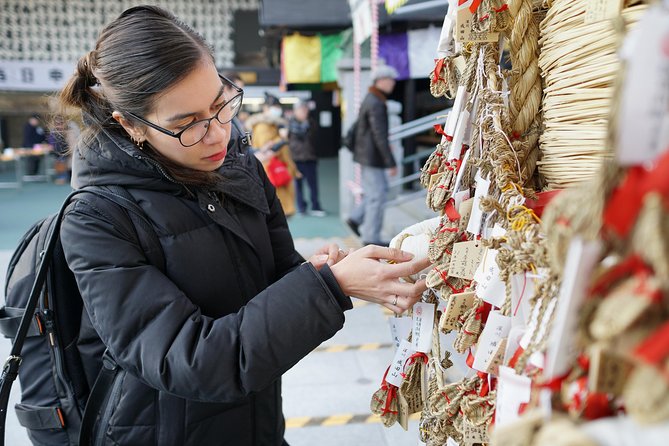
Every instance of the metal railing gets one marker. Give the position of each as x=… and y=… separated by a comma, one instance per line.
x=406, y=130
x=417, y=126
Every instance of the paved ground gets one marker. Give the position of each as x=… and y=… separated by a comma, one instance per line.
x=326, y=395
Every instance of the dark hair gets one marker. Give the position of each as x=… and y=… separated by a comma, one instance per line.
x=233, y=76
x=271, y=100
x=138, y=56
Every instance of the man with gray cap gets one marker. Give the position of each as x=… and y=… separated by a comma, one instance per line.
x=372, y=152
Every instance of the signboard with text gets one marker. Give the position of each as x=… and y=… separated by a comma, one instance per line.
x=34, y=75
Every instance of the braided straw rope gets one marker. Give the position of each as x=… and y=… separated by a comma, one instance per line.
x=525, y=85
x=525, y=82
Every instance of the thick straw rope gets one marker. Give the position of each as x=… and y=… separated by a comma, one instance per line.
x=525, y=85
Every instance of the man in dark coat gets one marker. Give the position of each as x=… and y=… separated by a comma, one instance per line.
x=301, y=142
x=33, y=133
x=372, y=151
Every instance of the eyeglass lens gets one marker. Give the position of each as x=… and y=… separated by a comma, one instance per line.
x=194, y=134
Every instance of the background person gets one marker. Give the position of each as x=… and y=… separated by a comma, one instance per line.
x=33, y=134
x=203, y=340
x=372, y=151
x=59, y=140
x=239, y=139
x=301, y=132
x=266, y=128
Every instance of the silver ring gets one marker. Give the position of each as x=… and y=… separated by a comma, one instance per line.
x=395, y=301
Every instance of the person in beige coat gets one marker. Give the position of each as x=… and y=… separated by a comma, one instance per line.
x=267, y=140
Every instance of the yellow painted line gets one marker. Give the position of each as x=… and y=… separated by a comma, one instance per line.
x=374, y=418
x=335, y=348
x=294, y=422
x=346, y=347
x=337, y=420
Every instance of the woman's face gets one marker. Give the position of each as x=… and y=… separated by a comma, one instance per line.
x=198, y=96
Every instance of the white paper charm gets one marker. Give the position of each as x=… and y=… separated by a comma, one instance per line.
x=512, y=391
x=423, y=320
x=458, y=136
x=643, y=117
x=496, y=329
x=522, y=289
x=454, y=115
x=400, y=327
x=482, y=186
x=561, y=351
x=489, y=285
x=396, y=371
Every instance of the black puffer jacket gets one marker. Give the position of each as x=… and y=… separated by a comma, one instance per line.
x=203, y=345
x=371, y=137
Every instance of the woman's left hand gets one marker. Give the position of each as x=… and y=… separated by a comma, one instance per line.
x=330, y=254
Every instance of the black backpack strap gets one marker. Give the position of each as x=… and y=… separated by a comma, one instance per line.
x=10, y=369
x=141, y=227
x=148, y=240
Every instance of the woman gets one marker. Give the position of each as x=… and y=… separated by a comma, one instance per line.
x=266, y=137
x=202, y=340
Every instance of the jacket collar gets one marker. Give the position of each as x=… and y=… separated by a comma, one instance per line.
x=378, y=93
x=110, y=159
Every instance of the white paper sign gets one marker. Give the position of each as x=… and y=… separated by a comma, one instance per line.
x=482, y=186
x=496, y=329
x=532, y=324
x=489, y=286
x=29, y=75
x=458, y=178
x=561, y=351
x=361, y=16
x=468, y=131
x=643, y=117
x=522, y=289
x=423, y=321
x=513, y=342
x=400, y=327
x=459, y=197
x=451, y=442
x=396, y=370
x=512, y=391
x=458, y=136
x=454, y=115
x=445, y=47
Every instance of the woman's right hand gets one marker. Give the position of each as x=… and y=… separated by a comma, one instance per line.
x=362, y=275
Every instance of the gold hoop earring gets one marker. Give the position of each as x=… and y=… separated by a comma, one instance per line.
x=138, y=143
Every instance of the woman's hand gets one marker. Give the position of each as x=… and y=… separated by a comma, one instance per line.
x=362, y=275
x=329, y=254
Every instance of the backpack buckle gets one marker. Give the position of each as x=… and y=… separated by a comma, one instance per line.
x=108, y=362
x=11, y=365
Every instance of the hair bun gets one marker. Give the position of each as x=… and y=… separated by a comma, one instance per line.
x=85, y=68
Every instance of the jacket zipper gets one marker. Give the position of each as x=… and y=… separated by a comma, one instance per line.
x=109, y=408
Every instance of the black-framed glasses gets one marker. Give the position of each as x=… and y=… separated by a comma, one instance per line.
x=196, y=131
